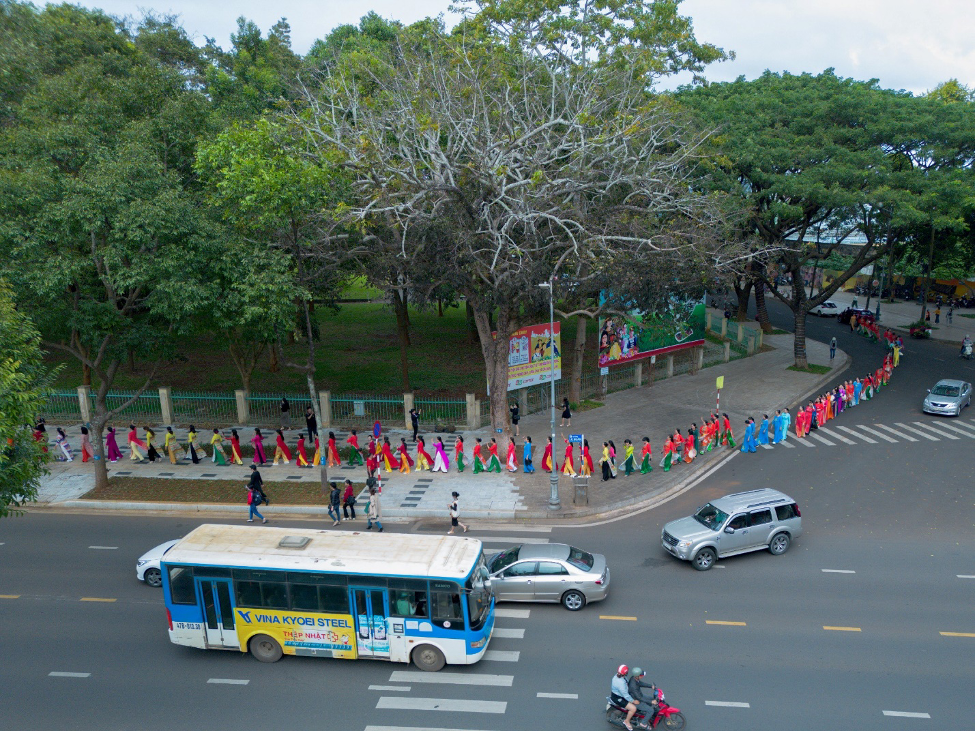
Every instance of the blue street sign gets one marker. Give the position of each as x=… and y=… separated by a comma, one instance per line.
x=576, y=439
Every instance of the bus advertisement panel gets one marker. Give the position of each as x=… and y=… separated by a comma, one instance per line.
x=332, y=635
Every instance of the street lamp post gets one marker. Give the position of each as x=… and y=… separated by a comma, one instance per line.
x=554, y=475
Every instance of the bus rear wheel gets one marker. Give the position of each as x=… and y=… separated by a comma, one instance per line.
x=265, y=648
x=428, y=657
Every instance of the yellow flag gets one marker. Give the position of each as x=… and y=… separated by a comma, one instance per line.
x=719, y=382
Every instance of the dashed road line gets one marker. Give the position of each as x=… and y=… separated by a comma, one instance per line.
x=725, y=623
x=830, y=628
x=506, y=633
x=897, y=433
x=104, y=548
x=501, y=656
x=618, y=618
x=839, y=437
x=957, y=430
x=905, y=714
x=957, y=634
x=855, y=433
x=227, y=681
x=837, y=571
x=933, y=429
x=917, y=432
x=965, y=576
x=420, y=676
x=877, y=433
x=512, y=613
x=97, y=599
x=9, y=596
x=453, y=705
x=398, y=688
x=566, y=696
x=728, y=704
x=58, y=674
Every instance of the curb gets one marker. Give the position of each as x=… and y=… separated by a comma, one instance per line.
x=825, y=379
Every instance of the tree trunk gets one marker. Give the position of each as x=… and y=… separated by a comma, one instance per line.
x=890, y=266
x=742, y=298
x=440, y=307
x=576, y=365
x=314, y=396
x=473, y=336
x=132, y=361
x=403, y=335
x=99, y=420
x=86, y=375
x=800, y=338
x=761, y=306
x=495, y=352
x=273, y=360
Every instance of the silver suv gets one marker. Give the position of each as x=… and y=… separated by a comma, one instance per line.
x=733, y=524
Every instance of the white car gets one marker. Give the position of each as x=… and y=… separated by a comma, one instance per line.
x=147, y=567
x=826, y=309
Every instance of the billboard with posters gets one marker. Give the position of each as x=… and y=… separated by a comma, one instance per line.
x=622, y=340
x=530, y=350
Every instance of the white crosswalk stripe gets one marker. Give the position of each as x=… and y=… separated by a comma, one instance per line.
x=855, y=433
x=877, y=433
x=457, y=705
x=786, y=443
x=933, y=429
x=818, y=437
x=512, y=613
x=802, y=441
x=897, y=433
x=508, y=634
x=958, y=430
x=501, y=656
x=923, y=434
x=765, y=446
x=839, y=437
x=419, y=676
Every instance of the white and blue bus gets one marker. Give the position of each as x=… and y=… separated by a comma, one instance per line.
x=274, y=591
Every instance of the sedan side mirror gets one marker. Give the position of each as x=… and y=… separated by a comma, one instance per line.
x=729, y=530
x=928, y=391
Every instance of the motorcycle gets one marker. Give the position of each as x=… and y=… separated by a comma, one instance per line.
x=668, y=716
x=967, y=351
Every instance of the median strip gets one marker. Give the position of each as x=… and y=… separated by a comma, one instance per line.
x=729, y=624
x=617, y=618
x=96, y=599
x=842, y=629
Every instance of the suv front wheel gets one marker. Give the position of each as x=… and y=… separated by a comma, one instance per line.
x=779, y=544
x=704, y=559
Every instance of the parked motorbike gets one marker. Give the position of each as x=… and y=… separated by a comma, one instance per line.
x=664, y=715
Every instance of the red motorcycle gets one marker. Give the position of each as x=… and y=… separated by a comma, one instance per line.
x=668, y=716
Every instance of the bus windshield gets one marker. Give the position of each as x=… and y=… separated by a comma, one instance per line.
x=479, y=597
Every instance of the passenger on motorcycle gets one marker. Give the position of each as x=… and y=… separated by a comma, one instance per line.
x=622, y=696
x=648, y=703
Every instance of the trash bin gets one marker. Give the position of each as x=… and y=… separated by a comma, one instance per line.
x=580, y=490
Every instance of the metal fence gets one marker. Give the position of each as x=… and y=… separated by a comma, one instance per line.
x=62, y=407
x=361, y=410
x=264, y=409
x=441, y=411
x=146, y=408
x=215, y=409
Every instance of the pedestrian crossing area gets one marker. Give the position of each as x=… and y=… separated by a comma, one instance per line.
x=896, y=433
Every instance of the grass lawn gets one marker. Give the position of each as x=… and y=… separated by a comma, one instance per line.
x=811, y=368
x=149, y=489
x=358, y=353
x=971, y=317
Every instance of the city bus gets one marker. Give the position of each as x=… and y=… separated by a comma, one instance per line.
x=326, y=593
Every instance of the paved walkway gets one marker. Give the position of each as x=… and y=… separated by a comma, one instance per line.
x=753, y=386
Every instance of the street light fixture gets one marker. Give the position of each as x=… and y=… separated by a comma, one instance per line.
x=554, y=475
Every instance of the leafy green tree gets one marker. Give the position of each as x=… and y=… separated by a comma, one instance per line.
x=24, y=386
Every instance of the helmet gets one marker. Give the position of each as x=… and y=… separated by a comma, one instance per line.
x=636, y=672
x=623, y=670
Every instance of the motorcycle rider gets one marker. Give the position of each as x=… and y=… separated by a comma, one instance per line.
x=647, y=703
x=621, y=695
x=966, y=347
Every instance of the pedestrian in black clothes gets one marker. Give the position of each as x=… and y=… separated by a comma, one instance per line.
x=286, y=413
x=515, y=417
x=334, y=503
x=565, y=419
x=311, y=424
x=415, y=420
x=258, y=485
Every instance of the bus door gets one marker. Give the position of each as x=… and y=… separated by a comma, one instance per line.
x=370, y=612
x=218, y=612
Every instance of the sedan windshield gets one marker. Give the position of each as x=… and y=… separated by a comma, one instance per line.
x=504, y=559
x=946, y=390
x=711, y=516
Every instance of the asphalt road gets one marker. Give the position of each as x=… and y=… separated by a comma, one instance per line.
x=896, y=517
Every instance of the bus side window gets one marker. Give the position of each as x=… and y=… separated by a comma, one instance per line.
x=181, y=585
x=447, y=608
x=334, y=599
x=274, y=595
x=248, y=594
x=408, y=603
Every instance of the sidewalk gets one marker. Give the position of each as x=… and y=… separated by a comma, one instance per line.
x=901, y=314
x=753, y=386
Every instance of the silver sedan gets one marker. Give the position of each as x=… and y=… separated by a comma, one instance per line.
x=948, y=397
x=549, y=572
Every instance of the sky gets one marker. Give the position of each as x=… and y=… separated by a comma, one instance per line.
x=905, y=44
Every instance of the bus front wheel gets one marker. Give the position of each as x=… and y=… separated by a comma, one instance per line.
x=265, y=648
x=428, y=657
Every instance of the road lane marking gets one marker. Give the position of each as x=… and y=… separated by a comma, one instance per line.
x=959, y=576
x=765, y=446
x=512, y=613
x=412, y=728
x=568, y=696
x=729, y=624
x=897, y=433
x=503, y=528
x=512, y=540
x=905, y=714
x=839, y=437
x=104, y=548
x=17, y=596
x=420, y=676
x=618, y=618
x=842, y=629
x=728, y=704
x=917, y=432
x=933, y=429
x=227, y=681
x=957, y=430
x=786, y=443
x=857, y=434
x=877, y=433
x=957, y=634
x=400, y=688
x=509, y=634
x=802, y=441
x=821, y=439
x=837, y=571
x=69, y=675
x=501, y=656
x=96, y=599
x=453, y=705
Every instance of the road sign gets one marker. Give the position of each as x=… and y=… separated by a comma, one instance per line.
x=604, y=371
x=576, y=439
x=719, y=381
